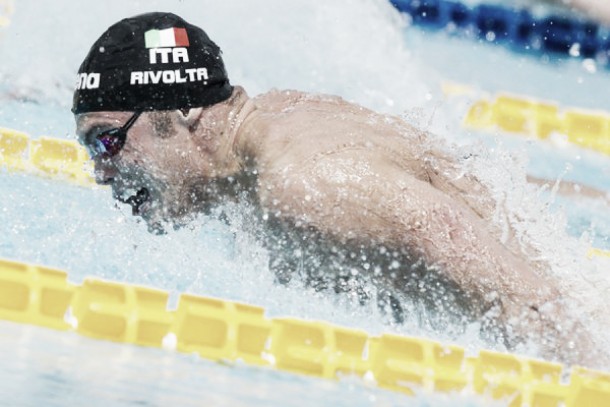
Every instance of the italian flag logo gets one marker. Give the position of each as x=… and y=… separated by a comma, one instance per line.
x=170, y=37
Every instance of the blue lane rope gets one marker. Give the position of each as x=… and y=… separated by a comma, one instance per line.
x=518, y=29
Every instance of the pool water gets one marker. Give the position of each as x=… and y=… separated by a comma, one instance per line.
x=362, y=50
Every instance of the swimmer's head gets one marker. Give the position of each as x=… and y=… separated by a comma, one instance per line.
x=153, y=61
x=149, y=98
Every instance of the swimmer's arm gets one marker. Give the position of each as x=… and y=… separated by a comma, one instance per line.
x=351, y=200
x=397, y=210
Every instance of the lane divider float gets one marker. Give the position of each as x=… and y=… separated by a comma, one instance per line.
x=7, y=8
x=521, y=31
x=543, y=120
x=221, y=330
x=45, y=156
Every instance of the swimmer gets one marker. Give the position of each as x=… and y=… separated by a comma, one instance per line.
x=172, y=137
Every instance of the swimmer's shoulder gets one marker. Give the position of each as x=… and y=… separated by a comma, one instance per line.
x=287, y=100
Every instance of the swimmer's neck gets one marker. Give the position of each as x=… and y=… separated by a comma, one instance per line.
x=218, y=136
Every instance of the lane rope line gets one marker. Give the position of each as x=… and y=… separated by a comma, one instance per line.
x=221, y=330
x=46, y=156
x=7, y=8
x=542, y=120
x=518, y=29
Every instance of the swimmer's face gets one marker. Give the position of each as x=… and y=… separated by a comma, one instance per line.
x=156, y=169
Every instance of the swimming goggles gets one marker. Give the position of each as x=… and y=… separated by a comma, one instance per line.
x=109, y=143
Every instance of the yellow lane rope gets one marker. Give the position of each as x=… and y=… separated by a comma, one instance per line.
x=222, y=330
x=543, y=120
x=45, y=156
x=7, y=9
x=598, y=253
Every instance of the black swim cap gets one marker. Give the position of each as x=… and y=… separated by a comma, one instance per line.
x=154, y=61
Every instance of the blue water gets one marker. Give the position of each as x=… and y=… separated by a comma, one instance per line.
x=318, y=47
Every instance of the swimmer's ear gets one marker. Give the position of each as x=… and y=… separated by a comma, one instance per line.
x=190, y=117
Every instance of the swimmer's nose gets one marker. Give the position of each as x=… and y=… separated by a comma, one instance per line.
x=105, y=171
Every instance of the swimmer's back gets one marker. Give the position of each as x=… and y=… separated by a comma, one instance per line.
x=289, y=127
x=291, y=130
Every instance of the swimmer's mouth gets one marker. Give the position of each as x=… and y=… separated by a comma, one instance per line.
x=137, y=201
